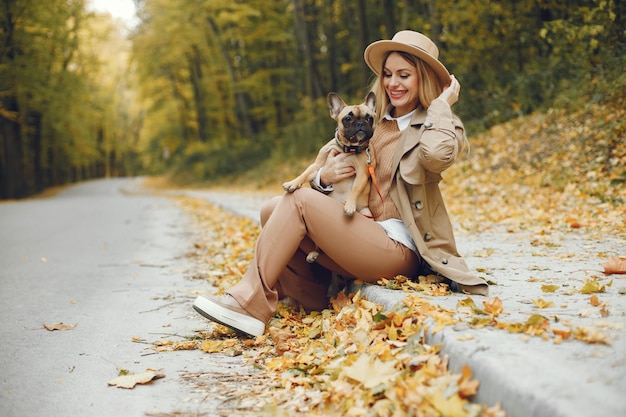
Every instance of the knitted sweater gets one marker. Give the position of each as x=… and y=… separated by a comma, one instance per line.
x=383, y=145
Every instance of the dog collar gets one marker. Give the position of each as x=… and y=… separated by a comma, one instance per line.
x=349, y=148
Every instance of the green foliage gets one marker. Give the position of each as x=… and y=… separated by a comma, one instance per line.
x=206, y=162
x=60, y=111
x=204, y=88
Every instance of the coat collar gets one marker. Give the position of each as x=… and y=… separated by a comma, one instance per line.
x=410, y=136
x=419, y=117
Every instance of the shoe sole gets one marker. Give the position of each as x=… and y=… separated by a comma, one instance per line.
x=229, y=318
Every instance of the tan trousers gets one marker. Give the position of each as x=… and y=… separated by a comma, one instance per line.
x=292, y=225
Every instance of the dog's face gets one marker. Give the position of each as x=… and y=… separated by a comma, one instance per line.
x=355, y=123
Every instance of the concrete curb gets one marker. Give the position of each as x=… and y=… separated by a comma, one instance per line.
x=529, y=376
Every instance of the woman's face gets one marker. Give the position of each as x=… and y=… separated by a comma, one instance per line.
x=400, y=82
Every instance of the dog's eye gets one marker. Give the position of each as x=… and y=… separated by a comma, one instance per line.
x=347, y=119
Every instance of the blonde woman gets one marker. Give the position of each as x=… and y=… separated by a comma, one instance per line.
x=417, y=137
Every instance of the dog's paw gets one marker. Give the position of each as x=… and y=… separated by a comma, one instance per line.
x=312, y=256
x=349, y=208
x=290, y=186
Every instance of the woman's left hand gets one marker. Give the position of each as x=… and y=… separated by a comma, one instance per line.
x=451, y=93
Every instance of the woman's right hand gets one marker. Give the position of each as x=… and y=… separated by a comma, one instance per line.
x=451, y=92
x=336, y=168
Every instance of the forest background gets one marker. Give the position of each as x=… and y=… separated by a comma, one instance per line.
x=206, y=89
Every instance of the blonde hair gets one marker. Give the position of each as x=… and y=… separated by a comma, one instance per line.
x=428, y=85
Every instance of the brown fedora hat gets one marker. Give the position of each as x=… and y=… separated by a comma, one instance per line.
x=411, y=42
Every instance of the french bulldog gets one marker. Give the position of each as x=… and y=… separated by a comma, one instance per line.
x=355, y=127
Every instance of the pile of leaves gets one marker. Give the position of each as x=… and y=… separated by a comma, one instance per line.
x=547, y=171
x=353, y=359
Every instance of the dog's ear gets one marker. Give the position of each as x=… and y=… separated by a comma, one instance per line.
x=336, y=104
x=370, y=101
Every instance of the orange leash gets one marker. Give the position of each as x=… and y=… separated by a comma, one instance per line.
x=373, y=176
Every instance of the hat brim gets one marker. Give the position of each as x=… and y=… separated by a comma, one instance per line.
x=375, y=54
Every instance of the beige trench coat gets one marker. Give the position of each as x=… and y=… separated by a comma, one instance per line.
x=428, y=147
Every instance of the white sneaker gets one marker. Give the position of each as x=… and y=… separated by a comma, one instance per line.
x=227, y=311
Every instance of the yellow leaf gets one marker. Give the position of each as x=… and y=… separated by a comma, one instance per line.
x=213, y=346
x=592, y=286
x=541, y=303
x=549, y=288
x=467, y=386
x=449, y=407
x=536, y=325
x=371, y=372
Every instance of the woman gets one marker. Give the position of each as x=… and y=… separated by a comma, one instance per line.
x=416, y=138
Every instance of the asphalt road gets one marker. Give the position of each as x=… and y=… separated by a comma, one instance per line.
x=109, y=260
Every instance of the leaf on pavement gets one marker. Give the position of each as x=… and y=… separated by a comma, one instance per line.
x=129, y=381
x=592, y=286
x=170, y=346
x=562, y=333
x=549, y=288
x=541, y=303
x=59, y=326
x=615, y=265
x=591, y=335
x=493, y=306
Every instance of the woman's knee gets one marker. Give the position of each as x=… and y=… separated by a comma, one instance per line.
x=268, y=208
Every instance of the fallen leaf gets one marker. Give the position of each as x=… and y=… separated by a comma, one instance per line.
x=467, y=387
x=213, y=346
x=541, y=303
x=130, y=380
x=371, y=372
x=170, y=346
x=591, y=335
x=493, y=306
x=536, y=324
x=450, y=406
x=563, y=333
x=59, y=326
x=614, y=265
x=281, y=338
x=592, y=286
x=549, y=288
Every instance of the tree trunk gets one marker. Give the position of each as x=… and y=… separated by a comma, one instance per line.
x=364, y=35
x=242, y=108
x=304, y=37
x=195, y=77
x=10, y=154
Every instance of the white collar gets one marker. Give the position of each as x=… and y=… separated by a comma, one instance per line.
x=402, y=121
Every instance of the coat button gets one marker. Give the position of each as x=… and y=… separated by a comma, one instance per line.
x=444, y=261
x=419, y=205
x=428, y=124
x=427, y=237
